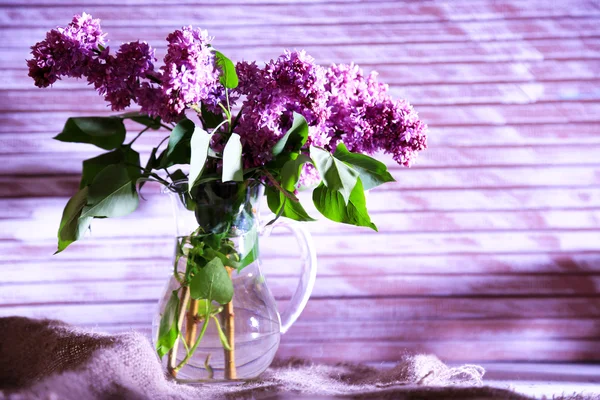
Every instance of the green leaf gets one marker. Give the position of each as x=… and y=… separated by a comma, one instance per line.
x=178, y=149
x=213, y=241
x=206, y=308
x=143, y=119
x=111, y=194
x=178, y=175
x=93, y=166
x=212, y=282
x=228, y=77
x=200, y=143
x=250, y=257
x=72, y=226
x=290, y=173
x=372, y=172
x=295, y=137
x=279, y=205
x=331, y=204
x=150, y=165
x=336, y=175
x=233, y=169
x=251, y=237
x=211, y=120
x=152, y=161
x=105, y=132
x=168, y=330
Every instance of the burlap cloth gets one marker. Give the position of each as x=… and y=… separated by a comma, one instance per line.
x=43, y=359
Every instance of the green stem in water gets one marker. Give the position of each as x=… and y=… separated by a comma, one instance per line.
x=187, y=349
x=222, y=336
x=194, y=347
x=209, y=369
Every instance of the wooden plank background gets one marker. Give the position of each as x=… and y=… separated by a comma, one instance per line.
x=489, y=247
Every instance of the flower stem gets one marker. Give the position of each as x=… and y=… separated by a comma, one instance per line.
x=193, y=349
x=153, y=79
x=167, y=127
x=185, y=297
x=229, y=323
x=190, y=326
x=138, y=135
x=196, y=108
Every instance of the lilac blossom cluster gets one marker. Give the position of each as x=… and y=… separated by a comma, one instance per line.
x=292, y=83
x=366, y=119
x=117, y=77
x=77, y=50
x=340, y=104
x=66, y=51
x=190, y=75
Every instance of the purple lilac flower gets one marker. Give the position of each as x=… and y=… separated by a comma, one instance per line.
x=189, y=73
x=251, y=78
x=397, y=130
x=309, y=177
x=366, y=119
x=291, y=83
x=152, y=101
x=65, y=51
x=351, y=93
x=118, y=77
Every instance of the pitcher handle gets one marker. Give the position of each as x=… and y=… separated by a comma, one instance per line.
x=308, y=274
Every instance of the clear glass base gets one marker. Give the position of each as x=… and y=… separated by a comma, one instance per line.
x=256, y=333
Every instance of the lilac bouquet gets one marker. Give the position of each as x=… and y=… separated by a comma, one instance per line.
x=288, y=125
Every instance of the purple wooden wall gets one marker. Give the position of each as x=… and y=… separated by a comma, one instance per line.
x=489, y=247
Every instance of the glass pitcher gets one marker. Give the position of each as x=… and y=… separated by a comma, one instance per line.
x=199, y=336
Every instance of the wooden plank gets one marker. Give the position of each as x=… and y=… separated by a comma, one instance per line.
x=88, y=3
x=501, y=138
x=538, y=134
x=563, y=91
x=449, y=351
x=535, y=92
x=543, y=113
x=418, y=74
x=287, y=265
x=283, y=14
x=143, y=224
x=326, y=287
x=498, y=330
x=552, y=70
x=87, y=100
x=494, y=177
x=350, y=244
x=69, y=163
x=407, y=53
x=459, y=116
x=365, y=33
x=518, y=208
x=319, y=310
x=415, y=178
x=492, y=199
x=502, y=329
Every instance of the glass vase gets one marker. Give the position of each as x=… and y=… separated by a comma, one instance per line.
x=199, y=336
